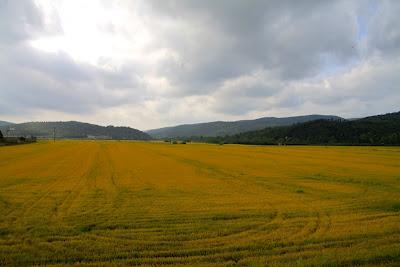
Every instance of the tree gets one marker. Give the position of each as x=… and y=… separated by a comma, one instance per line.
x=1, y=135
x=374, y=130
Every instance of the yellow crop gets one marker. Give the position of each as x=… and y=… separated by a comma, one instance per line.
x=105, y=203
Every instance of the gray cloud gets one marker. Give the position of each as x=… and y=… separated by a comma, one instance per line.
x=37, y=80
x=19, y=20
x=384, y=29
x=236, y=37
x=34, y=80
x=206, y=60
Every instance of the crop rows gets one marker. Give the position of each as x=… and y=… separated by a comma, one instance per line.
x=92, y=203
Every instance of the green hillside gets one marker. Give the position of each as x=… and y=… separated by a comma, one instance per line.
x=222, y=128
x=374, y=130
x=5, y=123
x=74, y=129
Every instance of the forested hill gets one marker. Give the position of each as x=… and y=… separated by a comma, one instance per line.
x=374, y=130
x=74, y=129
x=222, y=128
x=5, y=123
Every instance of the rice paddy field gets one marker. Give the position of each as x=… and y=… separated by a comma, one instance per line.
x=111, y=203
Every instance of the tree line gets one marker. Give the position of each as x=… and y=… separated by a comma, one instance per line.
x=374, y=130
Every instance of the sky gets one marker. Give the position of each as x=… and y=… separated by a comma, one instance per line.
x=155, y=63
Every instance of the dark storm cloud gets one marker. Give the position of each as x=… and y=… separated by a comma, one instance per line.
x=225, y=39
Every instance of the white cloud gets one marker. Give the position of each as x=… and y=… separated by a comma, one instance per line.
x=149, y=63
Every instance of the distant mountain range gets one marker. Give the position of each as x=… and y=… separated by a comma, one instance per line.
x=374, y=130
x=73, y=129
x=222, y=128
x=311, y=129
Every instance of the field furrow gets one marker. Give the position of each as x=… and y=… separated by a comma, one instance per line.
x=116, y=203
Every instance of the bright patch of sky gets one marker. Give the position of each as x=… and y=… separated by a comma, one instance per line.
x=153, y=63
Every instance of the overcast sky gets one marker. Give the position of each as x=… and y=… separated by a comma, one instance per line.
x=148, y=64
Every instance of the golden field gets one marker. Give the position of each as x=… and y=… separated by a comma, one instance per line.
x=110, y=203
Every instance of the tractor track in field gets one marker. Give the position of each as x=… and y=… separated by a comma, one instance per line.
x=209, y=255
x=62, y=208
x=27, y=206
x=242, y=232
x=71, y=193
x=313, y=227
x=72, y=196
x=136, y=204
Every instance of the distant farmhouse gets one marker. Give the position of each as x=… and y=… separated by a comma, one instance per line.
x=14, y=140
x=99, y=137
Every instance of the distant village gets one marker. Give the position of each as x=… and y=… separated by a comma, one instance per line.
x=15, y=140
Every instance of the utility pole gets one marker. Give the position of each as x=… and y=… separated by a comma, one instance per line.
x=54, y=134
